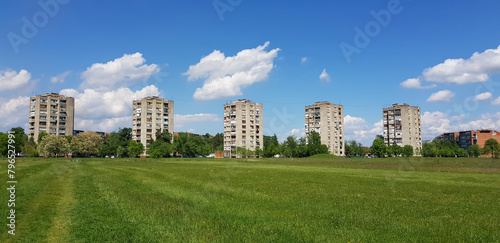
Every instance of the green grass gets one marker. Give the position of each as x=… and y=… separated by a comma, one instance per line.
x=322, y=199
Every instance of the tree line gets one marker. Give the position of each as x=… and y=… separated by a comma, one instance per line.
x=120, y=144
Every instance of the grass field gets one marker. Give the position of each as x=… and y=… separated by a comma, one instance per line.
x=254, y=200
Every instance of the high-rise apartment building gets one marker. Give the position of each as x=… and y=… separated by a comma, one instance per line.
x=51, y=113
x=402, y=126
x=327, y=119
x=242, y=126
x=151, y=115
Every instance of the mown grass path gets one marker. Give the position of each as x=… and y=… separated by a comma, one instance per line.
x=283, y=200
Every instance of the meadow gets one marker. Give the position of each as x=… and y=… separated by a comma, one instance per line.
x=321, y=199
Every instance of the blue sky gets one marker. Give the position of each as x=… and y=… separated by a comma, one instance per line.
x=364, y=55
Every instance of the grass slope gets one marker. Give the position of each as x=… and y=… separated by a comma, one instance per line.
x=285, y=200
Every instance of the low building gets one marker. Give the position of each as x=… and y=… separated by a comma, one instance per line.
x=465, y=139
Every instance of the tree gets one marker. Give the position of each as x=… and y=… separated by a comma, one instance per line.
x=121, y=151
x=86, y=143
x=40, y=136
x=218, y=142
x=258, y=152
x=271, y=150
x=407, y=151
x=314, y=145
x=30, y=148
x=180, y=142
x=396, y=150
x=353, y=148
x=429, y=150
x=164, y=136
x=244, y=152
x=462, y=152
x=492, y=147
x=4, y=142
x=53, y=145
x=474, y=150
x=114, y=140
x=135, y=148
x=289, y=145
x=378, y=148
x=19, y=138
x=159, y=149
x=379, y=137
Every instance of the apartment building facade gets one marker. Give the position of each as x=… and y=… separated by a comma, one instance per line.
x=149, y=116
x=327, y=119
x=465, y=139
x=242, y=126
x=402, y=126
x=51, y=113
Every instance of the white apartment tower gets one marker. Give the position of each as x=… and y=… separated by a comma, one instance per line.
x=242, y=126
x=51, y=113
x=327, y=119
x=151, y=115
x=402, y=126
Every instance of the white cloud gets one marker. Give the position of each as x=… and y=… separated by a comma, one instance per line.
x=324, y=76
x=98, y=104
x=496, y=101
x=14, y=112
x=441, y=96
x=226, y=76
x=304, y=60
x=483, y=96
x=106, y=111
x=103, y=125
x=356, y=128
x=11, y=80
x=297, y=132
x=436, y=123
x=461, y=71
x=414, y=83
x=181, y=120
x=60, y=77
x=121, y=72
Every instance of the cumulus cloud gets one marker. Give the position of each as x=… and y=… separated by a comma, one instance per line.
x=357, y=128
x=121, y=72
x=496, y=101
x=324, y=76
x=304, y=60
x=227, y=76
x=14, y=112
x=441, y=96
x=296, y=132
x=461, y=71
x=106, y=110
x=415, y=83
x=436, y=123
x=483, y=96
x=11, y=80
x=60, y=77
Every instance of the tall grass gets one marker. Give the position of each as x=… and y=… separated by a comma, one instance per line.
x=247, y=200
